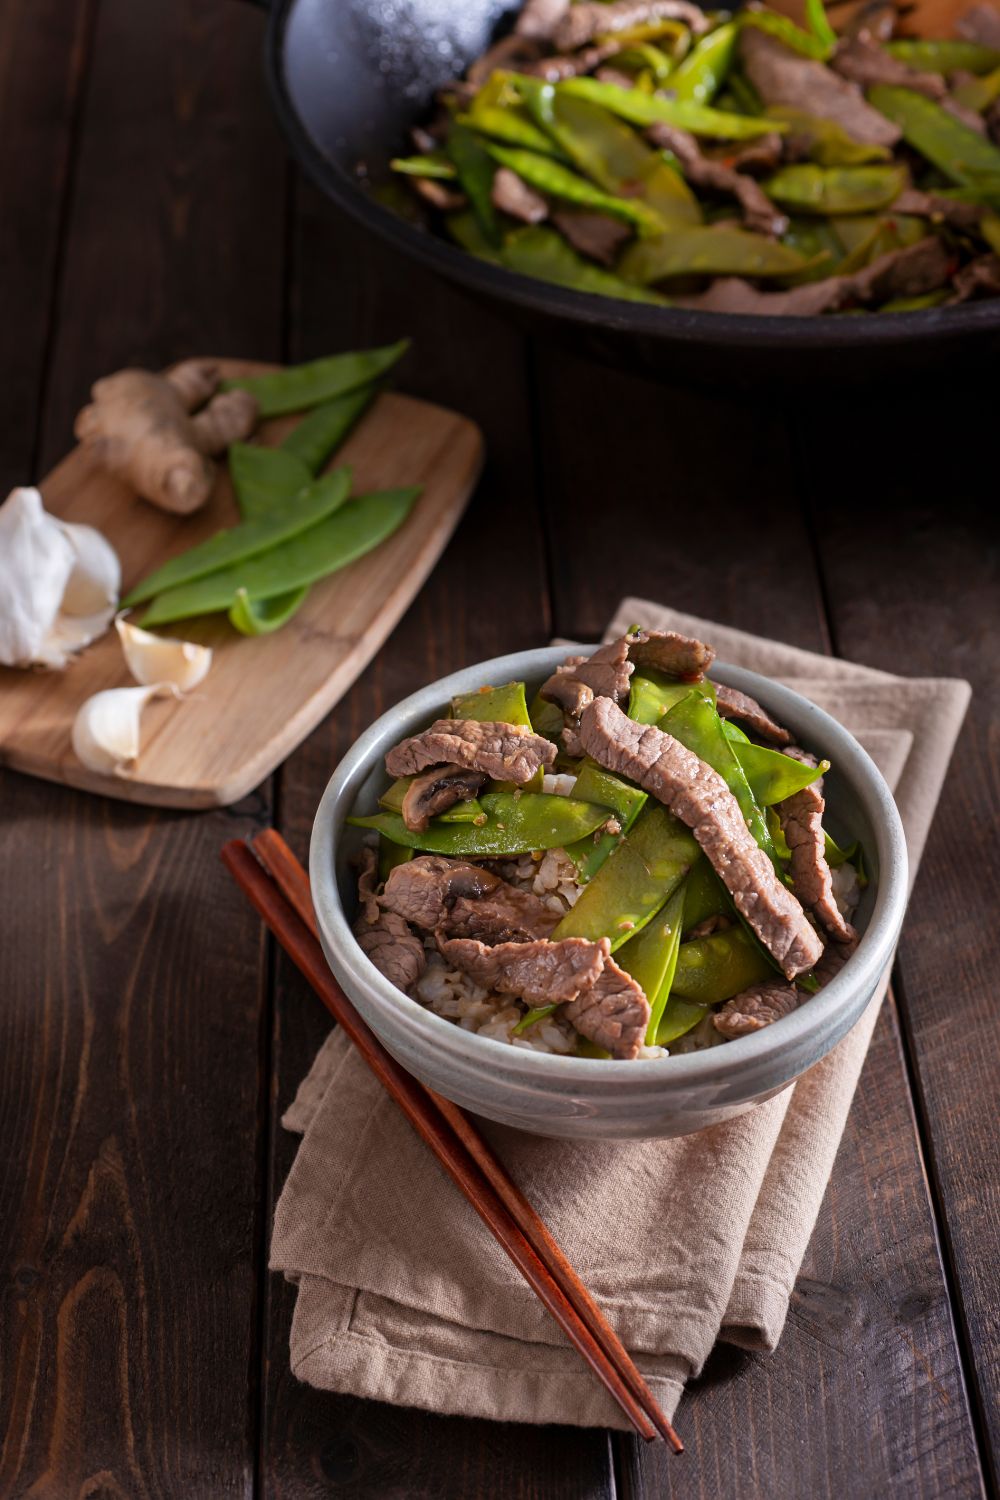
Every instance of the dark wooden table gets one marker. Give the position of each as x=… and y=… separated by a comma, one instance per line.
x=148, y=1036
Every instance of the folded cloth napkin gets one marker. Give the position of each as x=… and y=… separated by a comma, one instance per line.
x=403, y=1295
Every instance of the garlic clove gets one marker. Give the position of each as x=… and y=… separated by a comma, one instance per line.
x=106, y=734
x=35, y=564
x=155, y=658
x=96, y=580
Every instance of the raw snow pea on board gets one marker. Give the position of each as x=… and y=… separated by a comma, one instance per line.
x=515, y=824
x=323, y=429
x=302, y=386
x=262, y=616
x=264, y=478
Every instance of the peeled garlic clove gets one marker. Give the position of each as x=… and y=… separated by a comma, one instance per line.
x=96, y=580
x=106, y=728
x=155, y=658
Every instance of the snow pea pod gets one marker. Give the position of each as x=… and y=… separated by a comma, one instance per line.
x=497, y=110
x=827, y=142
x=656, y=64
x=390, y=855
x=467, y=231
x=967, y=159
x=611, y=154
x=651, y=957
x=264, y=479
x=326, y=547
x=806, y=43
x=679, y=1016
x=326, y=427
x=303, y=386
x=540, y=252
x=475, y=172
x=434, y=165
x=497, y=705
x=702, y=73
x=391, y=800
x=772, y=776
x=594, y=784
x=645, y=109
x=514, y=825
x=865, y=238
x=810, y=188
x=262, y=616
x=552, y=177
x=652, y=694
x=695, y=723
x=819, y=25
x=945, y=56
x=313, y=505
x=917, y=304
x=704, y=250
x=816, y=240
x=712, y=969
x=635, y=881
x=704, y=895
x=979, y=93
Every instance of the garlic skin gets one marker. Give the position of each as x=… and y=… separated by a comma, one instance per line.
x=154, y=658
x=106, y=728
x=59, y=584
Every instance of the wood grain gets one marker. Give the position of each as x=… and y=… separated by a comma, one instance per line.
x=263, y=695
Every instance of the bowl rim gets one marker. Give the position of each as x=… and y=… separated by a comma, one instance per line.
x=674, y=324
x=748, y=1053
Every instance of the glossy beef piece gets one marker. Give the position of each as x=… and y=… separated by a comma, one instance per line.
x=504, y=752
x=394, y=950
x=582, y=22
x=863, y=63
x=538, y=19
x=613, y=1012
x=759, y=214
x=755, y=1008
x=434, y=791
x=781, y=76
x=597, y=236
x=512, y=195
x=732, y=704
x=670, y=652
x=801, y=818
x=540, y=973
x=464, y=900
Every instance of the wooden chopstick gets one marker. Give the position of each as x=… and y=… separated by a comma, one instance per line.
x=293, y=882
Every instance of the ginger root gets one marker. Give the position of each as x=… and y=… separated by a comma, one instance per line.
x=140, y=427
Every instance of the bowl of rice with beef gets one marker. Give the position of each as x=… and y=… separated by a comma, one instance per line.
x=618, y=892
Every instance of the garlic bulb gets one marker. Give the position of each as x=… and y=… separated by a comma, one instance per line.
x=154, y=658
x=106, y=727
x=59, y=584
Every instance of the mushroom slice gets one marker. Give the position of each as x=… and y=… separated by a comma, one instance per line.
x=434, y=791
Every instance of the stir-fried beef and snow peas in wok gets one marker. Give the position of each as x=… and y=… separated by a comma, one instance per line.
x=649, y=150
x=634, y=861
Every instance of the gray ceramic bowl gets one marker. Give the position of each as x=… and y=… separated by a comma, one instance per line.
x=585, y=1097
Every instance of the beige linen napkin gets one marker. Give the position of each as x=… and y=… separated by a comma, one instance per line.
x=403, y=1295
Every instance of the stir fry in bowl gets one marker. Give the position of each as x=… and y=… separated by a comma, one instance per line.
x=634, y=863
x=647, y=150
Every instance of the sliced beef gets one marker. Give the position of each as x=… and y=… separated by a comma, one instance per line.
x=876, y=21
x=732, y=704
x=860, y=60
x=670, y=652
x=613, y=1012
x=542, y=973
x=781, y=76
x=505, y=752
x=763, y=154
x=571, y=64
x=980, y=278
x=957, y=215
x=759, y=213
x=597, y=236
x=920, y=268
x=438, y=194
x=394, y=950
x=538, y=19
x=433, y=792
x=580, y=679
x=512, y=195
x=464, y=900
x=700, y=798
x=755, y=1008
x=590, y=18
x=705, y=929
x=516, y=52
x=367, y=882
x=801, y=819
x=833, y=959
x=981, y=24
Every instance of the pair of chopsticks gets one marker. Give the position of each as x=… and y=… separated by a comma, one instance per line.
x=278, y=887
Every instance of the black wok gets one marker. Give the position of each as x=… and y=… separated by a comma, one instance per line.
x=349, y=76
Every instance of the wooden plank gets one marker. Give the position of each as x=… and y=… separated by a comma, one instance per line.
x=264, y=695
x=913, y=587
x=132, y=972
x=487, y=596
x=693, y=501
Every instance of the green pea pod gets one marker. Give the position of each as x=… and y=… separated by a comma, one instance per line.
x=237, y=546
x=547, y=719
x=979, y=93
x=816, y=241
x=810, y=188
x=746, y=97
x=434, y=165
x=540, y=252
x=966, y=158
x=467, y=231
x=652, y=694
x=866, y=238
x=302, y=386
x=476, y=171
x=532, y=1018
x=646, y=109
x=498, y=111
x=854, y=855
x=390, y=855
x=611, y=154
x=917, y=304
x=707, y=251
x=828, y=143
x=391, y=800
x=679, y=1017
x=702, y=73
x=515, y=824
x=651, y=957
x=819, y=24
x=657, y=64
x=695, y=723
x=649, y=31
x=323, y=430
x=325, y=548
x=594, y=784
x=772, y=776
x=704, y=895
x=498, y=705
x=945, y=56
x=265, y=479
x=262, y=616
x=634, y=882
x=712, y=969
x=552, y=177
x=785, y=31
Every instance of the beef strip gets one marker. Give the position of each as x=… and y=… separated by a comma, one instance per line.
x=781, y=76
x=700, y=798
x=367, y=882
x=962, y=216
x=512, y=195
x=438, y=194
x=433, y=792
x=516, y=52
x=732, y=704
x=980, y=24
x=670, y=652
x=755, y=1008
x=394, y=950
x=705, y=929
x=833, y=959
x=875, y=21
x=613, y=1012
x=860, y=60
x=464, y=900
x=762, y=154
x=541, y=973
x=801, y=817
x=505, y=752
x=981, y=277
x=759, y=214
x=571, y=64
x=597, y=236
x=538, y=19
x=580, y=679
x=587, y=19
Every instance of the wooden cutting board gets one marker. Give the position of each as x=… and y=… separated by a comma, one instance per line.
x=264, y=694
